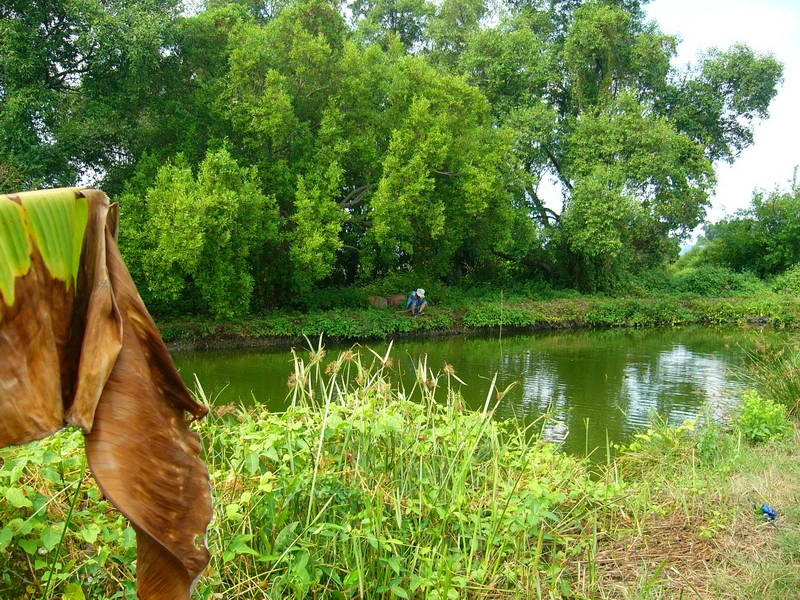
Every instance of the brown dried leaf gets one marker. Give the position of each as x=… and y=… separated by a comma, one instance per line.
x=89, y=354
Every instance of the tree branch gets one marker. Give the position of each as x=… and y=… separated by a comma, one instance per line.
x=356, y=196
x=557, y=167
x=545, y=214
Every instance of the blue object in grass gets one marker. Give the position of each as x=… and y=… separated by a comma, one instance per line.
x=769, y=512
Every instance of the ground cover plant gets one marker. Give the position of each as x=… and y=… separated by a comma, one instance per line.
x=362, y=490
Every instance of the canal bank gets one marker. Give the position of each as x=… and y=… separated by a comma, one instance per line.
x=286, y=329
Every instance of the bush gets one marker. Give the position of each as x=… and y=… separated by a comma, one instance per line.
x=654, y=282
x=718, y=281
x=762, y=419
x=699, y=280
x=788, y=282
x=191, y=240
x=436, y=292
x=328, y=298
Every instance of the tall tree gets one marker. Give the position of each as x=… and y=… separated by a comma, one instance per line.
x=448, y=176
x=451, y=27
x=75, y=79
x=381, y=20
x=593, y=99
x=719, y=100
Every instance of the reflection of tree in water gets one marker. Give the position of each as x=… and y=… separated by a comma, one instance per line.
x=617, y=378
x=673, y=385
x=543, y=393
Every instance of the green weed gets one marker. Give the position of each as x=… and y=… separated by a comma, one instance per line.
x=776, y=373
x=762, y=419
x=57, y=529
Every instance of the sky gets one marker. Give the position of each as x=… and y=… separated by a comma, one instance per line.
x=766, y=26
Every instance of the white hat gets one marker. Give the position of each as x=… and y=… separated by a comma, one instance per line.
x=421, y=293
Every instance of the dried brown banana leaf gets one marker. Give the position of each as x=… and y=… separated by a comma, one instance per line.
x=78, y=346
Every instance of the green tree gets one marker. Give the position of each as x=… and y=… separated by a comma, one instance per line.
x=318, y=222
x=381, y=20
x=764, y=238
x=444, y=201
x=198, y=234
x=635, y=183
x=451, y=27
x=75, y=79
x=280, y=77
x=589, y=91
x=718, y=103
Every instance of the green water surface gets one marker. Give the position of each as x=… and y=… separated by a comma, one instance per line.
x=598, y=386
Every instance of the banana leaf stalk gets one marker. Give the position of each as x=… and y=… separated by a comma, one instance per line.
x=77, y=346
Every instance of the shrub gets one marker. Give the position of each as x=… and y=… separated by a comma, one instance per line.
x=654, y=282
x=718, y=281
x=659, y=445
x=715, y=447
x=192, y=238
x=436, y=292
x=788, y=282
x=762, y=419
x=328, y=298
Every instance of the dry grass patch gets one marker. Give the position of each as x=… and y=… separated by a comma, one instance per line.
x=695, y=531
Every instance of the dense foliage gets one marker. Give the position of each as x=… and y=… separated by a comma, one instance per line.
x=763, y=239
x=265, y=149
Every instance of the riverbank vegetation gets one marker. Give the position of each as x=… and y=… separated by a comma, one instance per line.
x=264, y=151
x=361, y=489
x=504, y=314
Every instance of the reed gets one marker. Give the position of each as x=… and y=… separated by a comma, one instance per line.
x=365, y=490
x=775, y=371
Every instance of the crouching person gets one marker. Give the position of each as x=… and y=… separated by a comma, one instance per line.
x=416, y=302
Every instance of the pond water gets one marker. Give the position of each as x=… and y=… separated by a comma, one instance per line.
x=598, y=386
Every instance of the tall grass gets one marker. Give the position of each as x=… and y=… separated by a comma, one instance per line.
x=775, y=371
x=361, y=490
